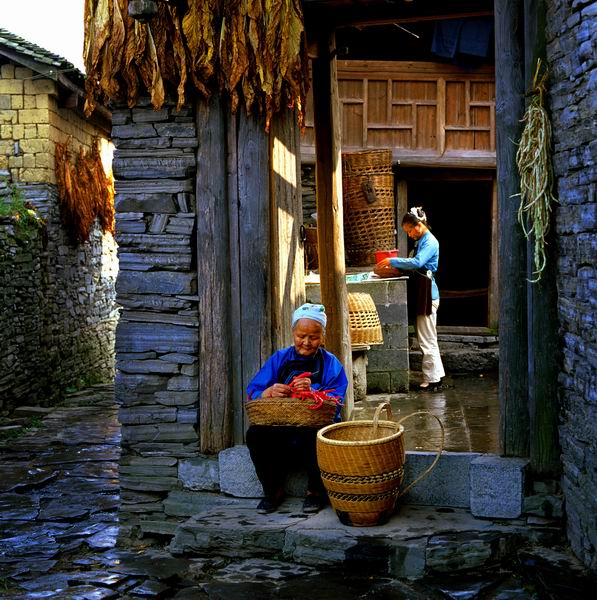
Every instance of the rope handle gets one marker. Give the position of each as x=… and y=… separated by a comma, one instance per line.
x=378, y=410
x=439, y=453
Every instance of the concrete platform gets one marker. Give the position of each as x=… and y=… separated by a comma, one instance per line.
x=416, y=542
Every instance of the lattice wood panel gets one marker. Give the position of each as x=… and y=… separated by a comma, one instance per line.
x=423, y=111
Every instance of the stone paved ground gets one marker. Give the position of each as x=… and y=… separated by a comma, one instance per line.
x=59, y=526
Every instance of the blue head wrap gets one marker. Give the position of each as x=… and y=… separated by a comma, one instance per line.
x=315, y=312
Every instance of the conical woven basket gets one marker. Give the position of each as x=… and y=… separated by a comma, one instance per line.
x=365, y=326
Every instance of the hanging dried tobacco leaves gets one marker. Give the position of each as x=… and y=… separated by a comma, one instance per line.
x=85, y=192
x=253, y=51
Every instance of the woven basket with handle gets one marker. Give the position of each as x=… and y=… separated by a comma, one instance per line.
x=289, y=411
x=362, y=466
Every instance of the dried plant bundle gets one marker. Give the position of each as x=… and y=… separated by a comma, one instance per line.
x=84, y=191
x=533, y=160
x=254, y=51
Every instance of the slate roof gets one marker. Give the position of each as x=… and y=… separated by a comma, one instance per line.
x=37, y=58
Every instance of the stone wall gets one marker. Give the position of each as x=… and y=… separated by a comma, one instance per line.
x=58, y=315
x=158, y=333
x=571, y=41
x=31, y=117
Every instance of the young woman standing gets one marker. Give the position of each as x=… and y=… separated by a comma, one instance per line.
x=424, y=265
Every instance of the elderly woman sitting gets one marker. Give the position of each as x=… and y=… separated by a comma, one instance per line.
x=276, y=448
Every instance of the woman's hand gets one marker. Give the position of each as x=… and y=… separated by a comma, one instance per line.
x=301, y=384
x=278, y=390
x=385, y=269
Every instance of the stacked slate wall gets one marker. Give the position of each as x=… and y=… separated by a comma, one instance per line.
x=158, y=333
x=571, y=51
x=58, y=315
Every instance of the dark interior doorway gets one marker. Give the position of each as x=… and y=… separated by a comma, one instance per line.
x=459, y=214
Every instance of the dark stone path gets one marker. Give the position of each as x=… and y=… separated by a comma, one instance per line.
x=59, y=496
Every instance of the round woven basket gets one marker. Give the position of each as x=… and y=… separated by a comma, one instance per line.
x=365, y=326
x=367, y=161
x=362, y=467
x=289, y=411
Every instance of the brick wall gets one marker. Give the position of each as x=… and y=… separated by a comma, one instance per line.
x=30, y=116
x=571, y=50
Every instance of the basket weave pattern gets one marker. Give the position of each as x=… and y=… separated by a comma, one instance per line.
x=367, y=161
x=365, y=326
x=289, y=411
x=368, y=225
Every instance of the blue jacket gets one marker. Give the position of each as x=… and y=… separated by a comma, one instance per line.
x=333, y=376
x=426, y=257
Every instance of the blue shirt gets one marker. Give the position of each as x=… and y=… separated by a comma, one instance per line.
x=426, y=257
x=333, y=376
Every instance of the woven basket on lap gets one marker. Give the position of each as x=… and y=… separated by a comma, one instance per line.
x=365, y=326
x=289, y=411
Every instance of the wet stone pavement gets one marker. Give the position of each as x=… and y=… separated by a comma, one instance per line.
x=59, y=528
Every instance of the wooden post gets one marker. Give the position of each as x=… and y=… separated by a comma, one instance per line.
x=215, y=389
x=401, y=209
x=514, y=425
x=252, y=151
x=330, y=228
x=287, y=258
x=493, y=305
x=542, y=298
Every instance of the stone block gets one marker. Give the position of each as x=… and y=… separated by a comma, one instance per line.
x=33, y=116
x=237, y=473
x=182, y=130
x=200, y=473
x=9, y=116
x=145, y=203
x=42, y=101
x=149, y=115
x=378, y=382
x=162, y=282
x=497, y=486
x=183, y=383
x=7, y=71
x=447, y=485
x=146, y=415
x=409, y=560
x=40, y=86
x=382, y=359
x=161, y=432
x=11, y=86
x=36, y=145
x=126, y=132
x=141, y=337
x=5, y=101
x=154, y=167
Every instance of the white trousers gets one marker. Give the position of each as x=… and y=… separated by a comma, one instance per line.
x=433, y=369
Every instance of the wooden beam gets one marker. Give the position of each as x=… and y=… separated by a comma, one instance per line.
x=493, y=304
x=215, y=381
x=514, y=423
x=330, y=230
x=287, y=256
x=542, y=298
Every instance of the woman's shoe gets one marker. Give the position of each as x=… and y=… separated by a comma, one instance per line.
x=313, y=503
x=431, y=386
x=269, y=505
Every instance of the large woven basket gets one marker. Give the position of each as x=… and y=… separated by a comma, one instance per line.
x=365, y=162
x=369, y=212
x=365, y=326
x=289, y=411
x=362, y=467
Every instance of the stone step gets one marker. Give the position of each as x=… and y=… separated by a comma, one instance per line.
x=417, y=541
x=461, y=360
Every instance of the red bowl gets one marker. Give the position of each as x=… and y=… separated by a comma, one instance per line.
x=381, y=254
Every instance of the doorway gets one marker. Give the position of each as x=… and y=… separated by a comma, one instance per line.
x=460, y=216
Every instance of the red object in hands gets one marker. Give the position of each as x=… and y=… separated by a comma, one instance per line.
x=318, y=397
x=381, y=254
